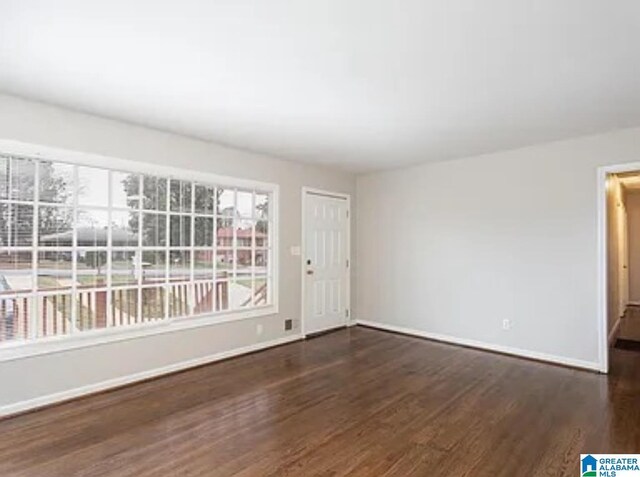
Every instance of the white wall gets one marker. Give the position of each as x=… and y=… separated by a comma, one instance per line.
x=36, y=377
x=453, y=248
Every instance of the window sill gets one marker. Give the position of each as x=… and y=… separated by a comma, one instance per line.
x=59, y=344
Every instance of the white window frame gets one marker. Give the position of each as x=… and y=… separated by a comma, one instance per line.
x=12, y=350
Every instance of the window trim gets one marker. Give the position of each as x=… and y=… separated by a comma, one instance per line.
x=54, y=344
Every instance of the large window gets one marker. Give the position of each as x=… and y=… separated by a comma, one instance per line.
x=84, y=248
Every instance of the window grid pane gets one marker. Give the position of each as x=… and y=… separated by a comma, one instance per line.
x=16, y=225
x=15, y=312
x=87, y=248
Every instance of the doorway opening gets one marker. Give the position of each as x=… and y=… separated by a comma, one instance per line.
x=623, y=259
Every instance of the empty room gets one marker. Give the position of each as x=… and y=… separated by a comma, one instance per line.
x=319, y=238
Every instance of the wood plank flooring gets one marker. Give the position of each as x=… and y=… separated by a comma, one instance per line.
x=356, y=402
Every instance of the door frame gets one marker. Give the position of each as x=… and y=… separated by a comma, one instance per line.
x=306, y=191
x=603, y=307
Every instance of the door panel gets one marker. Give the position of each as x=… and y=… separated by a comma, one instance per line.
x=325, y=276
x=623, y=259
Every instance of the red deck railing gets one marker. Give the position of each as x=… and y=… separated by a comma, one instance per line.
x=93, y=312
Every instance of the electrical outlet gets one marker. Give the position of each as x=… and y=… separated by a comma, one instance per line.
x=259, y=329
x=288, y=325
x=506, y=324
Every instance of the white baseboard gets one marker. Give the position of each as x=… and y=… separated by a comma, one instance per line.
x=614, y=331
x=575, y=363
x=18, y=407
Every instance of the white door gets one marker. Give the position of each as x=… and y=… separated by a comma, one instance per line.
x=325, y=262
x=623, y=260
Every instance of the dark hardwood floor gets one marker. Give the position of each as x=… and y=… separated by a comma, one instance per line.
x=356, y=402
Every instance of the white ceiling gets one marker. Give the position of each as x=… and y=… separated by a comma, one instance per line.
x=360, y=84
